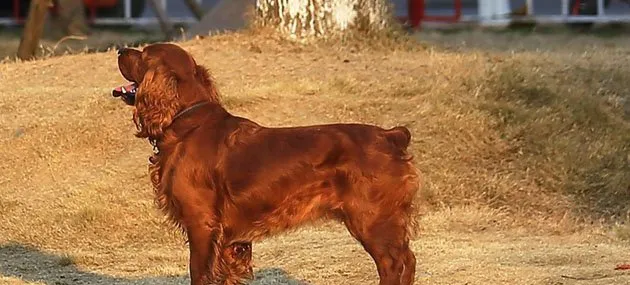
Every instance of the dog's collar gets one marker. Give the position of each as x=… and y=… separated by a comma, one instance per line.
x=154, y=142
x=189, y=109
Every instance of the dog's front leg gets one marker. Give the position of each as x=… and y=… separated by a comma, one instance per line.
x=203, y=254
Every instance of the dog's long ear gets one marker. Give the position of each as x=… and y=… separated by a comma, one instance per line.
x=202, y=75
x=157, y=102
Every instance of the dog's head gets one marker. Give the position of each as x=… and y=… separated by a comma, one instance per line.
x=164, y=79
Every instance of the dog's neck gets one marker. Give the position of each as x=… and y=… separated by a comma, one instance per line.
x=188, y=110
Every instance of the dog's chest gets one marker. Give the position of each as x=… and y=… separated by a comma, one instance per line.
x=183, y=188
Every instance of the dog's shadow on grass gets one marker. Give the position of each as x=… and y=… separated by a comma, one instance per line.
x=32, y=265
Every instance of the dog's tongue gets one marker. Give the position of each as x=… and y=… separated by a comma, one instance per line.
x=125, y=89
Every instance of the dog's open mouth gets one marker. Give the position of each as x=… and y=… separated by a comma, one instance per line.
x=127, y=93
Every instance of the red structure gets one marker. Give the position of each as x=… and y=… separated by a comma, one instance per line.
x=417, y=13
x=16, y=11
x=91, y=5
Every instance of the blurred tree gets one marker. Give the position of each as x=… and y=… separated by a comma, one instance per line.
x=70, y=18
x=323, y=18
x=33, y=28
x=165, y=23
x=195, y=8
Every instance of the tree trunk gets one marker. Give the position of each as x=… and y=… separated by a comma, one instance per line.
x=165, y=23
x=323, y=18
x=71, y=18
x=195, y=8
x=33, y=29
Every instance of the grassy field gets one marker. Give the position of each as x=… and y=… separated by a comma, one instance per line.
x=522, y=140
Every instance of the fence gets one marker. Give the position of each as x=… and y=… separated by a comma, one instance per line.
x=127, y=18
x=416, y=15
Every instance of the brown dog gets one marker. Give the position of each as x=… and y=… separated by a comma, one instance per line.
x=228, y=181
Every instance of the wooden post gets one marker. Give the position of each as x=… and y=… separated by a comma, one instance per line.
x=33, y=28
x=195, y=8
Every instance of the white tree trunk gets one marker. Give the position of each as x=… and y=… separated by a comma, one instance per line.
x=323, y=18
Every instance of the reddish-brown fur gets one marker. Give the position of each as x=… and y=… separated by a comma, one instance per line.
x=228, y=181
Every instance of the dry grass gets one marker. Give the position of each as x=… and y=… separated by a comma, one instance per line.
x=522, y=153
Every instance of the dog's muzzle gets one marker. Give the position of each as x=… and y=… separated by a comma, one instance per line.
x=127, y=93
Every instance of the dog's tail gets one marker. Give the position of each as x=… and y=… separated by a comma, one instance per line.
x=399, y=136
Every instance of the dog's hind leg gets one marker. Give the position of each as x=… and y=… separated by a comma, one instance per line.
x=384, y=236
